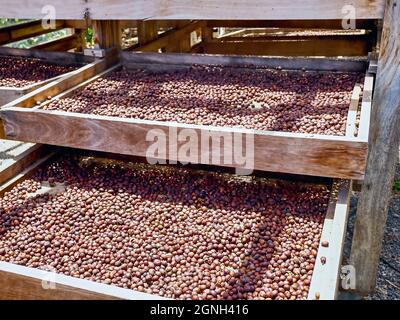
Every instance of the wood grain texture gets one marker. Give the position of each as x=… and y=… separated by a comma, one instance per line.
x=298, y=24
x=365, y=112
x=384, y=138
x=352, y=113
x=107, y=33
x=171, y=36
x=64, y=43
x=190, y=9
x=25, y=30
x=24, y=174
x=20, y=283
x=317, y=155
x=11, y=167
x=181, y=60
x=289, y=47
x=325, y=278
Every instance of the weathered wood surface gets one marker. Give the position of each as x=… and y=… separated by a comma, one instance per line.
x=317, y=155
x=325, y=278
x=180, y=60
x=365, y=113
x=171, y=36
x=313, y=23
x=193, y=9
x=16, y=156
x=107, y=33
x=352, y=113
x=290, y=47
x=64, y=43
x=19, y=282
x=63, y=58
x=24, y=174
x=383, y=153
x=25, y=30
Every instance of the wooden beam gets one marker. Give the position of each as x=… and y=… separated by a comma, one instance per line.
x=24, y=174
x=65, y=43
x=25, y=30
x=290, y=47
x=193, y=10
x=107, y=33
x=352, y=113
x=383, y=153
x=168, y=61
x=318, y=155
x=11, y=164
x=325, y=279
x=25, y=283
x=147, y=32
x=297, y=24
x=173, y=36
x=365, y=113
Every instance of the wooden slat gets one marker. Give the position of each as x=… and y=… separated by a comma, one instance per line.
x=302, y=153
x=365, y=114
x=20, y=283
x=63, y=58
x=325, y=278
x=352, y=113
x=107, y=34
x=191, y=9
x=62, y=44
x=169, y=60
x=303, y=46
x=25, y=174
x=298, y=23
x=13, y=165
x=25, y=30
x=171, y=36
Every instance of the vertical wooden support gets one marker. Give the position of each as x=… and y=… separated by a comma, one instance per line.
x=184, y=43
x=81, y=40
x=206, y=34
x=383, y=149
x=107, y=33
x=147, y=31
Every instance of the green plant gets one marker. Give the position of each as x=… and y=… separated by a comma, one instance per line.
x=89, y=37
x=396, y=186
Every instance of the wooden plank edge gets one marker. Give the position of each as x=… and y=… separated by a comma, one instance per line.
x=20, y=162
x=95, y=132
x=366, y=107
x=325, y=278
x=76, y=288
x=8, y=185
x=352, y=113
x=187, y=59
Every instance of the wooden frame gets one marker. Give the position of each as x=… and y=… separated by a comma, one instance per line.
x=25, y=30
x=20, y=282
x=325, y=279
x=190, y=9
x=8, y=94
x=308, y=154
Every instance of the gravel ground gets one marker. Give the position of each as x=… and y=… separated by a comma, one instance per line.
x=388, y=284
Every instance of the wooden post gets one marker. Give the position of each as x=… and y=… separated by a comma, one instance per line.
x=147, y=31
x=107, y=33
x=383, y=148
